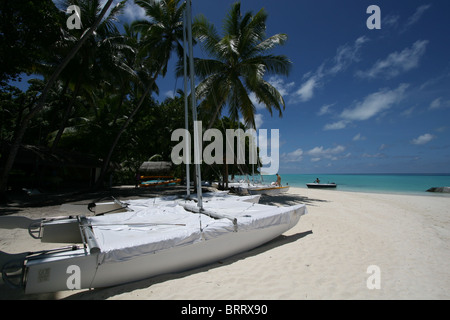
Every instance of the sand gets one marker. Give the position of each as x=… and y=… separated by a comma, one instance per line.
x=349, y=246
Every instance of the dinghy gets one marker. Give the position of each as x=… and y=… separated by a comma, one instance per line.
x=321, y=185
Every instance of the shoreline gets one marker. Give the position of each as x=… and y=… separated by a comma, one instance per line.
x=416, y=184
x=386, y=192
x=325, y=256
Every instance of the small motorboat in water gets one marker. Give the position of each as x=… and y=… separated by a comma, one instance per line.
x=321, y=185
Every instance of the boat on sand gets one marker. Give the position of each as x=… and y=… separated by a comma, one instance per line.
x=152, y=237
x=268, y=190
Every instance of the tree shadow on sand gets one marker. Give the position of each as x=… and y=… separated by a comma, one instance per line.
x=288, y=199
x=44, y=199
x=22, y=200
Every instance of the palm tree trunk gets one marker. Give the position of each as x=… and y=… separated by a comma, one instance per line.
x=216, y=114
x=66, y=115
x=107, y=160
x=40, y=103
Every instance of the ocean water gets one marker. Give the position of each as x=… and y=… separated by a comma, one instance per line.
x=381, y=183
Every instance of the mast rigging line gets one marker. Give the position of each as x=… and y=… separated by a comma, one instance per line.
x=187, y=24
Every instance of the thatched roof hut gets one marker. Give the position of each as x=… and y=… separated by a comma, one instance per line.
x=156, y=168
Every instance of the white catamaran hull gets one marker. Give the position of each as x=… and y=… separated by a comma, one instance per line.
x=185, y=258
x=268, y=190
x=54, y=274
x=122, y=247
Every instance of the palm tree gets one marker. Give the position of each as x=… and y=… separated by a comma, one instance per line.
x=99, y=58
x=239, y=62
x=159, y=36
x=40, y=103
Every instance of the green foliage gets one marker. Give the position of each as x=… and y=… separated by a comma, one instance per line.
x=104, y=85
x=29, y=30
x=239, y=60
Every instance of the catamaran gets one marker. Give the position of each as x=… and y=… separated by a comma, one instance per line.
x=152, y=237
x=268, y=190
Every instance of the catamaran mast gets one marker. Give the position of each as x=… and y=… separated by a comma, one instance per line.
x=186, y=114
x=197, y=134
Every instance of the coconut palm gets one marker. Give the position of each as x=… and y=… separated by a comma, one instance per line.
x=100, y=58
x=159, y=37
x=239, y=61
x=40, y=103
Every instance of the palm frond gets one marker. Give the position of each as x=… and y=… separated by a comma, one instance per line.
x=269, y=96
x=207, y=34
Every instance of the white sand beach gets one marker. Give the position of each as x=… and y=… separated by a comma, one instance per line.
x=326, y=256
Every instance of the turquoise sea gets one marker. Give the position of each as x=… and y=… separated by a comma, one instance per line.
x=381, y=183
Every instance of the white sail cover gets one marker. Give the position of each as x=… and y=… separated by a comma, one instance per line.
x=157, y=224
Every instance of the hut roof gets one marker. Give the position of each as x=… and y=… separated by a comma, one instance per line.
x=156, y=167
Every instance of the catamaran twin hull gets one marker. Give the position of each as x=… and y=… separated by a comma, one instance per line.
x=269, y=190
x=152, y=238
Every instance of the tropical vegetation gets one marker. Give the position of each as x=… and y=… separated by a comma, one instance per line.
x=91, y=96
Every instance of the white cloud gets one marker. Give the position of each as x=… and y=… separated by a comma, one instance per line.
x=345, y=56
x=371, y=106
x=325, y=109
x=130, y=12
x=396, y=62
x=376, y=155
x=425, y=138
x=258, y=120
x=327, y=153
x=279, y=84
x=390, y=20
x=316, y=154
x=341, y=124
x=416, y=16
x=169, y=94
x=133, y=12
x=359, y=137
x=438, y=103
x=375, y=103
x=294, y=156
x=407, y=112
x=306, y=91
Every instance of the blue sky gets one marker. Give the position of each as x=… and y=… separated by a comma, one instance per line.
x=357, y=100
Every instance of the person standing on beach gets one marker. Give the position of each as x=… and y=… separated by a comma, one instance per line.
x=278, y=183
